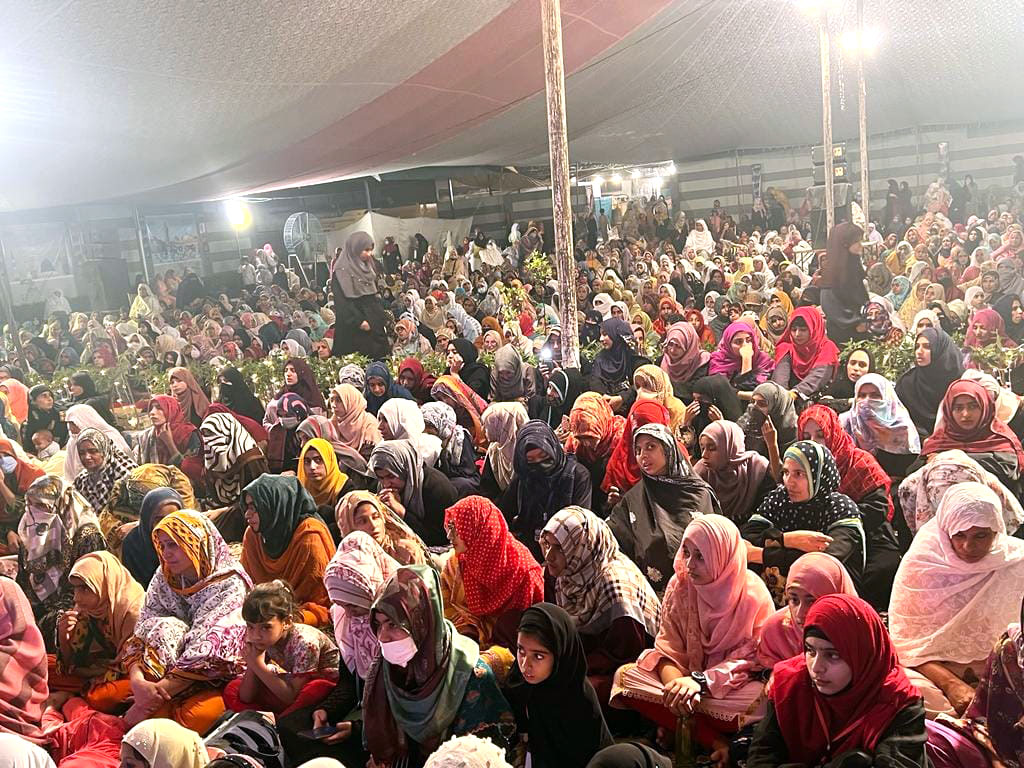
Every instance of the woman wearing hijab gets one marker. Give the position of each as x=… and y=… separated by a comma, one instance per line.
x=615, y=364
x=430, y=682
x=233, y=460
x=739, y=358
x=417, y=493
x=360, y=316
x=594, y=431
x=190, y=634
x=968, y=422
x=320, y=474
x=103, y=465
x=163, y=742
x=283, y=440
x=867, y=484
x=107, y=605
x=355, y=427
x=554, y=703
x=956, y=591
x=457, y=459
x=649, y=520
x=805, y=358
x=171, y=440
x=467, y=404
x=704, y=660
x=300, y=380
x=234, y=392
x=80, y=417
x=286, y=539
x=683, y=360
x=545, y=479
x=555, y=403
x=700, y=238
x=43, y=415
x=194, y=402
x=501, y=423
x=364, y=511
x=811, y=577
x=849, y=675
x=138, y=553
x=1011, y=310
x=806, y=513
x=23, y=685
x=413, y=376
x=489, y=579
x=403, y=420
x=613, y=606
x=739, y=478
x=771, y=404
x=921, y=389
x=842, y=282
x=57, y=528
x=461, y=357
x=511, y=379
x=381, y=387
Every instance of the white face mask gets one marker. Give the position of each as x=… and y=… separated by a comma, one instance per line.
x=8, y=464
x=399, y=652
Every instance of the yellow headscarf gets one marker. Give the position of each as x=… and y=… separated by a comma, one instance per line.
x=652, y=383
x=120, y=596
x=324, y=492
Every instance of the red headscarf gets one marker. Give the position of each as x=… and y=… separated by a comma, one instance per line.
x=816, y=727
x=991, y=434
x=859, y=471
x=623, y=471
x=181, y=430
x=26, y=473
x=420, y=388
x=498, y=573
x=819, y=349
x=591, y=416
x=993, y=322
x=696, y=319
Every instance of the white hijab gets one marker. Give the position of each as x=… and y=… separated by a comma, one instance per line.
x=946, y=609
x=700, y=241
x=84, y=416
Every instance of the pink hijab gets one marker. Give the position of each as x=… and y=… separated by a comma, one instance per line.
x=692, y=358
x=818, y=574
x=737, y=474
x=711, y=623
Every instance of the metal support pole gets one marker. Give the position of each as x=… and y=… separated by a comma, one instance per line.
x=369, y=200
x=142, y=246
x=8, y=301
x=561, y=195
x=826, y=120
x=862, y=103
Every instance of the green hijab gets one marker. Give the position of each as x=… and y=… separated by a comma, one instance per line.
x=281, y=503
x=421, y=700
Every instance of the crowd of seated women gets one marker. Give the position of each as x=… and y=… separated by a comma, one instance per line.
x=737, y=542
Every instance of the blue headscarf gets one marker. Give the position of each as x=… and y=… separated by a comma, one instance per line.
x=379, y=370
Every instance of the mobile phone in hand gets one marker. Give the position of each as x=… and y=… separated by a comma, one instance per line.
x=319, y=733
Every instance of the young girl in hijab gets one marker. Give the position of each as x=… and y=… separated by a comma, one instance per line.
x=555, y=705
x=283, y=442
x=380, y=387
x=489, y=579
x=811, y=577
x=355, y=427
x=704, y=660
x=457, y=459
x=805, y=358
x=846, y=698
x=194, y=402
x=615, y=364
x=806, y=513
x=299, y=379
x=683, y=360
x=468, y=405
x=649, y=520
x=364, y=511
x=501, y=423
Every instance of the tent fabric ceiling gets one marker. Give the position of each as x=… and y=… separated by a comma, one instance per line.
x=178, y=101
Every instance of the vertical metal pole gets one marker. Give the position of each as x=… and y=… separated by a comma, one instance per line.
x=739, y=188
x=142, y=246
x=561, y=195
x=862, y=103
x=826, y=120
x=369, y=200
x=451, y=195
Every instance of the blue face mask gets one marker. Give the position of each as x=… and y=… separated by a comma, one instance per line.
x=8, y=464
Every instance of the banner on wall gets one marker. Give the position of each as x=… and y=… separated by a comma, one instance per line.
x=172, y=239
x=755, y=181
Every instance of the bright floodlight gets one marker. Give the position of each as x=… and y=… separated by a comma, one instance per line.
x=671, y=170
x=597, y=180
x=238, y=213
x=635, y=173
x=617, y=178
x=854, y=43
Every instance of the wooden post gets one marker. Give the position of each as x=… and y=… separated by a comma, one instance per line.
x=826, y=122
x=862, y=104
x=561, y=201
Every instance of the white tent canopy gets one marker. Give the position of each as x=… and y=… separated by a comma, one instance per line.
x=178, y=100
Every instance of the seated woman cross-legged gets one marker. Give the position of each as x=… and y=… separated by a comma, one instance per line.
x=190, y=636
x=955, y=592
x=704, y=659
x=846, y=701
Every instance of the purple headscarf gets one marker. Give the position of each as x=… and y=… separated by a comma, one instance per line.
x=724, y=361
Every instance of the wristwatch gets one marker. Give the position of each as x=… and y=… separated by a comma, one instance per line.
x=702, y=680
